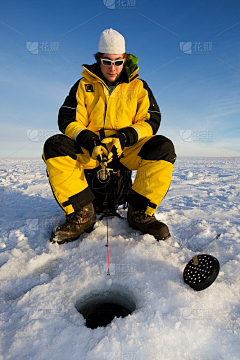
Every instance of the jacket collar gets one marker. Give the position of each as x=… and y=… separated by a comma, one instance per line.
x=93, y=72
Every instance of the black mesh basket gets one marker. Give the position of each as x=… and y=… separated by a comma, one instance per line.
x=201, y=271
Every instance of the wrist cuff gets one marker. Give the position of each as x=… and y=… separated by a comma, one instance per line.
x=131, y=135
x=122, y=138
x=88, y=140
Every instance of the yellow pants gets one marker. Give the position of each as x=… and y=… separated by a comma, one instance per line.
x=153, y=158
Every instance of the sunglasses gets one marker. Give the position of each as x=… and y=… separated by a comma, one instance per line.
x=107, y=62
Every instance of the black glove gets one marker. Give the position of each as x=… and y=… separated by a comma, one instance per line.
x=88, y=140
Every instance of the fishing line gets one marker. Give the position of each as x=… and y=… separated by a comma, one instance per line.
x=108, y=273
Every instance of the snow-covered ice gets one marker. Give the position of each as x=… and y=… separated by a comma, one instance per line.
x=41, y=283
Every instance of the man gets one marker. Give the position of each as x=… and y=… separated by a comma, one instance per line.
x=109, y=112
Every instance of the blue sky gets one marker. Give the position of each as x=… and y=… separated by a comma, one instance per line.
x=189, y=54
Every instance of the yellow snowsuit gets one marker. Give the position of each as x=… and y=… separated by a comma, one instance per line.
x=92, y=105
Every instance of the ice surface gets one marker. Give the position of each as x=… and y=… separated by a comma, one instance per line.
x=40, y=282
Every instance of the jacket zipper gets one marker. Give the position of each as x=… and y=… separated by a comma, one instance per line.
x=105, y=110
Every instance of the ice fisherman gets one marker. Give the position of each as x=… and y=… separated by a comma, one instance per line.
x=109, y=112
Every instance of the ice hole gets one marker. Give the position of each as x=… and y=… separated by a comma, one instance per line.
x=99, y=309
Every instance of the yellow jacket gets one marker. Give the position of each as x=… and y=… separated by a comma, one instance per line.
x=93, y=105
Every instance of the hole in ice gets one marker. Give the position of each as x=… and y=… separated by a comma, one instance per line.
x=99, y=309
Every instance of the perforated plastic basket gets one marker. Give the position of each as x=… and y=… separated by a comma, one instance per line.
x=201, y=271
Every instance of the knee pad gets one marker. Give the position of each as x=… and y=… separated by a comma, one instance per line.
x=158, y=148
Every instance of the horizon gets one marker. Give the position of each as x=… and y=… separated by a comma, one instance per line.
x=180, y=156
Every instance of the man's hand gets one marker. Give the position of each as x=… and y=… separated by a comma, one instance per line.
x=98, y=152
x=115, y=146
x=90, y=141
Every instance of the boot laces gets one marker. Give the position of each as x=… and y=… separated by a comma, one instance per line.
x=79, y=216
x=141, y=216
x=75, y=218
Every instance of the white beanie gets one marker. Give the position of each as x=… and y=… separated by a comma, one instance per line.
x=111, y=42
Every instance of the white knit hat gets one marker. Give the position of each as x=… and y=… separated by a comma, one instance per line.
x=111, y=42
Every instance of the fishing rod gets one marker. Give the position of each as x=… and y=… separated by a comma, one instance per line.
x=104, y=176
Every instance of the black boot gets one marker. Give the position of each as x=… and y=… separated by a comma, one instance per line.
x=76, y=223
x=147, y=224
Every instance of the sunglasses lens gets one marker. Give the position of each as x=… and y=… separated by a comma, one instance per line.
x=118, y=62
x=106, y=62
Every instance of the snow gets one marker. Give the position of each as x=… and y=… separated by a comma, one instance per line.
x=41, y=283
